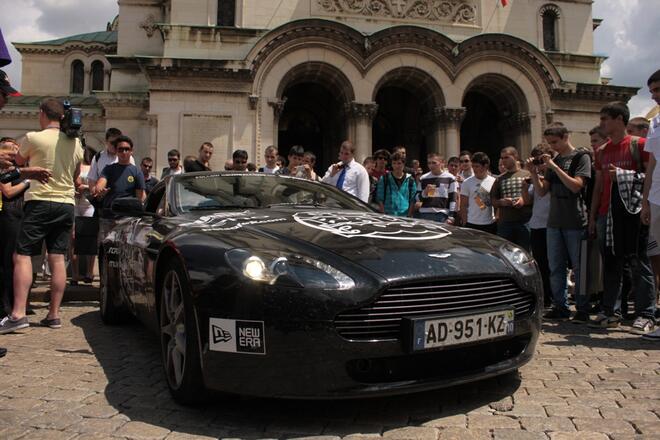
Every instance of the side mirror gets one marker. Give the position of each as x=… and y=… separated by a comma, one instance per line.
x=128, y=207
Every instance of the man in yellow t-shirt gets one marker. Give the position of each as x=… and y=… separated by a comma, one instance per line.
x=48, y=213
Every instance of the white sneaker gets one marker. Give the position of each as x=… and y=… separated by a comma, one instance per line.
x=653, y=336
x=642, y=326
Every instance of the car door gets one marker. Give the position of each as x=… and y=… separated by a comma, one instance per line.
x=144, y=242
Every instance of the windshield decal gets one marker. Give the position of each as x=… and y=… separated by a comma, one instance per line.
x=370, y=225
x=229, y=221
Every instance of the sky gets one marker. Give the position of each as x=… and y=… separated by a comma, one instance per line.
x=626, y=35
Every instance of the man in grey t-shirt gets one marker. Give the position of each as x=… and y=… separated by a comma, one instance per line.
x=567, y=220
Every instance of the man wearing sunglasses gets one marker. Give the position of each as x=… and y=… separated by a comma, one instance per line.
x=146, y=165
x=121, y=179
x=174, y=162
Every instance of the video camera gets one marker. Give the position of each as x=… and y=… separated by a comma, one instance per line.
x=71, y=124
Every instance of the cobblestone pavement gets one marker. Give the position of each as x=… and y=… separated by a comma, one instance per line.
x=89, y=381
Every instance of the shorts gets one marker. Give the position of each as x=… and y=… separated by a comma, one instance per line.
x=45, y=221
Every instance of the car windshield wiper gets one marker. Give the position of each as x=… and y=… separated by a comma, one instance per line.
x=306, y=205
x=206, y=208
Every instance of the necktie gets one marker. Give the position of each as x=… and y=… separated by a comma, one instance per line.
x=342, y=177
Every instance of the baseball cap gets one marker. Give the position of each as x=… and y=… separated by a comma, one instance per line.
x=5, y=86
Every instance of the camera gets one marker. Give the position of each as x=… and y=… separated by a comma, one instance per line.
x=537, y=161
x=71, y=124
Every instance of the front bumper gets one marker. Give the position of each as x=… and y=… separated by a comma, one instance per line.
x=311, y=360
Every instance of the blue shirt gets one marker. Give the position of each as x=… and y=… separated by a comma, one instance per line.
x=123, y=181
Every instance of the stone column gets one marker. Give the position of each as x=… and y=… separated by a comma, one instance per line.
x=87, y=82
x=449, y=124
x=361, y=117
x=153, y=141
x=278, y=108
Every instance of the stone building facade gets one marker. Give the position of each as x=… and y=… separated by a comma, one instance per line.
x=434, y=75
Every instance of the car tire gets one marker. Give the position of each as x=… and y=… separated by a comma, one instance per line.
x=179, y=338
x=113, y=311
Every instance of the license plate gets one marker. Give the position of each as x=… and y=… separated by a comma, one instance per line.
x=431, y=333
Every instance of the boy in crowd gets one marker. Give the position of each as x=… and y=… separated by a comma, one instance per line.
x=566, y=176
x=270, y=156
x=476, y=208
x=395, y=191
x=239, y=160
x=507, y=195
x=149, y=181
x=618, y=162
x=437, y=192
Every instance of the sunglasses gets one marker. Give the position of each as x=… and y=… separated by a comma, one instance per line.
x=123, y=149
x=147, y=166
x=466, y=161
x=381, y=158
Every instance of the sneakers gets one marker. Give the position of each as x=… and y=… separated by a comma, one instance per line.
x=52, y=323
x=580, y=318
x=642, y=325
x=604, y=321
x=556, y=315
x=652, y=336
x=8, y=325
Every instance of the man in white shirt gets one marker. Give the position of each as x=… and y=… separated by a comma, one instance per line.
x=651, y=201
x=104, y=158
x=270, y=155
x=347, y=174
x=476, y=208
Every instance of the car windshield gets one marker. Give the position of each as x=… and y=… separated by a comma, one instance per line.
x=213, y=191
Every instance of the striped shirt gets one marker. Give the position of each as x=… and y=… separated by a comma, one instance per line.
x=443, y=198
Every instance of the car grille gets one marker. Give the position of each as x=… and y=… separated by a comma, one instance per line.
x=381, y=320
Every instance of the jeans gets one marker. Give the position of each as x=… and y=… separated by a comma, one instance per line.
x=643, y=285
x=439, y=217
x=540, y=252
x=564, y=245
x=515, y=232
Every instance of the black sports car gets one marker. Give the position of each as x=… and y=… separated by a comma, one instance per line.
x=277, y=286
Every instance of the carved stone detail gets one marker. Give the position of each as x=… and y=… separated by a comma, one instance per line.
x=366, y=110
x=516, y=121
x=278, y=106
x=449, y=114
x=149, y=25
x=455, y=11
x=253, y=100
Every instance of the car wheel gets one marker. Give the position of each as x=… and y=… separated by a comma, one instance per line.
x=111, y=312
x=178, y=338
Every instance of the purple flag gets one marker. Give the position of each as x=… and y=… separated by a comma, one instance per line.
x=4, y=53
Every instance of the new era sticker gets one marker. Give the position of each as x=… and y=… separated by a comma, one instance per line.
x=234, y=336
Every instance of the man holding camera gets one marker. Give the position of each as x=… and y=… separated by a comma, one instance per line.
x=566, y=176
x=48, y=213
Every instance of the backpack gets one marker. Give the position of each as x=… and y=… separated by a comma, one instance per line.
x=587, y=191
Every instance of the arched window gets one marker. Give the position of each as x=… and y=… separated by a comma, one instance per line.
x=97, y=75
x=77, y=77
x=550, y=26
x=226, y=12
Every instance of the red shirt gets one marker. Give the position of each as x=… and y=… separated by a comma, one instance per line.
x=377, y=174
x=618, y=155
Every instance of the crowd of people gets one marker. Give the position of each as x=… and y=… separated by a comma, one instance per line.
x=572, y=208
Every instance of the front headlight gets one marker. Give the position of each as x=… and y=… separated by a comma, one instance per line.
x=269, y=267
x=518, y=258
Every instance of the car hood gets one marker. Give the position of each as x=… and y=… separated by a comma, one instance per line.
x=392, y=247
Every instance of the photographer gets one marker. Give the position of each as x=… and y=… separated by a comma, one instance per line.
x=566, y=175
x=48, y=213
x=296, y=155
